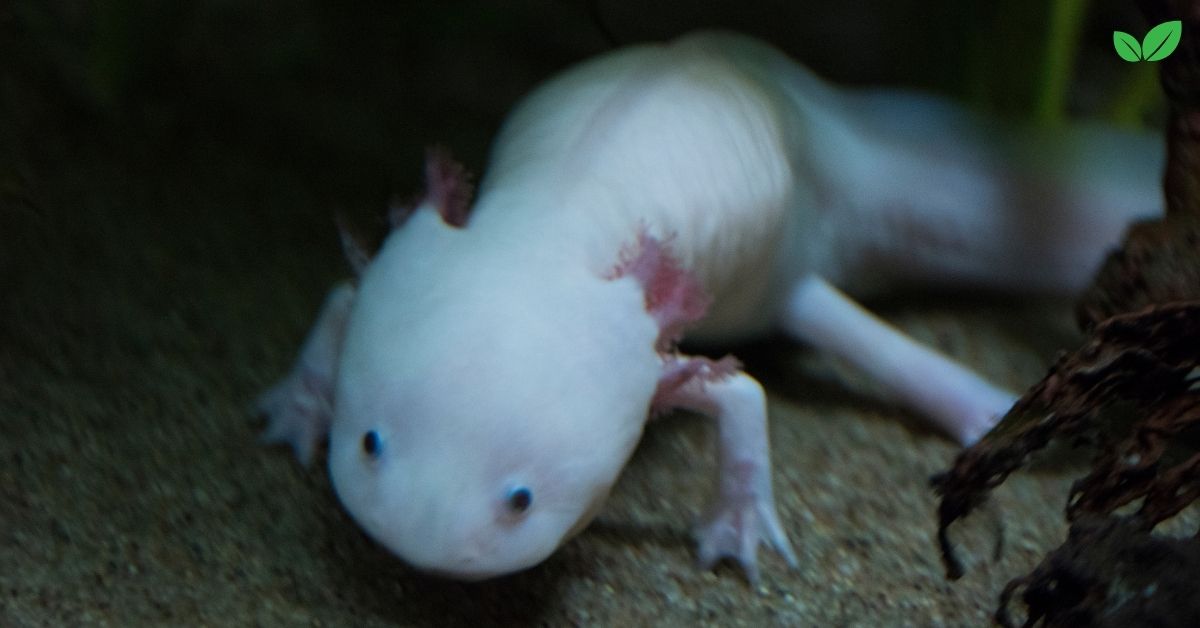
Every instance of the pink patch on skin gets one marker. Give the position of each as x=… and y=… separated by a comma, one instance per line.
x=674, y=297
x=447, y=186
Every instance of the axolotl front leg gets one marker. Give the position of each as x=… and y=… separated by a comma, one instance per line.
x=299, y=407
x=743, y=513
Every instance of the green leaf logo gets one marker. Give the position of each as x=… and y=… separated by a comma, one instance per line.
x=1162, y=40
x=1158, y=44
x=1127, y=46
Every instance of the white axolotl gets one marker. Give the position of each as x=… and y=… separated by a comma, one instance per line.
x=489, y=375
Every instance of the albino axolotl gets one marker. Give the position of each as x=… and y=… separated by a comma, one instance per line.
x=490, y=373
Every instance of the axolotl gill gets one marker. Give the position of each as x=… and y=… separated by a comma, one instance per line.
x=488, y=375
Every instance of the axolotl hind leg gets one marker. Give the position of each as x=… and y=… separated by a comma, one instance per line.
x=743, y=513
x=299, y=407
x=959, y=401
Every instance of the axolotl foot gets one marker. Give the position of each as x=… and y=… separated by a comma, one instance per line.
x=299, y=407
x=744, y=512
x=743, y=516
x=298, y=413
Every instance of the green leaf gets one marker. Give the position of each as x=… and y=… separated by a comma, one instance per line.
x=1162, y=40
x=1127, y=46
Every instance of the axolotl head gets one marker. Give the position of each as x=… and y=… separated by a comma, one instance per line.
x=485, y=403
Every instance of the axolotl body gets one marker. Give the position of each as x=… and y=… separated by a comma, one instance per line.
x=487, y=378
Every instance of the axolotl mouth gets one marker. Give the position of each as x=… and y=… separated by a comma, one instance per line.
x=484, y=552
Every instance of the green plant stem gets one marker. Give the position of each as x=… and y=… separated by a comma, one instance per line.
x=1058, y=63
x=1137, y=96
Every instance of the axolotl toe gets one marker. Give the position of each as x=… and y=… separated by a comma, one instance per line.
x=488, y=376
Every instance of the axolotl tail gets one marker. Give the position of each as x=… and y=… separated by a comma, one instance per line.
x=964, y=200
x=894, y=189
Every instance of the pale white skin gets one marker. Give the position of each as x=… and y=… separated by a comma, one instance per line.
x=506, y=356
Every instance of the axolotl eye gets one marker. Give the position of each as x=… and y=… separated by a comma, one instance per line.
x=372, y=444
x=519, y=499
